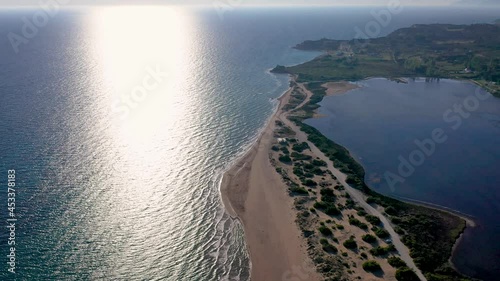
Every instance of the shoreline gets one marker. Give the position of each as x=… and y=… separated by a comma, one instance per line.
x=469, y=223
x=467, y=218
x=252, y=192
x=246, y=156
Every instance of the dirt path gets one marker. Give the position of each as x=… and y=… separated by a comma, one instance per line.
x=354, y=193
x=307, y=93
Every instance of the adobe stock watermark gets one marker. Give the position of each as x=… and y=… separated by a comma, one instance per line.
x=11, y=220
x=425, y=148
x=31, y=26
x=151, y=81
x=381, y=18
x=221, y=7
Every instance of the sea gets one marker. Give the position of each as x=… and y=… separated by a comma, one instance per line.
x=118, y=123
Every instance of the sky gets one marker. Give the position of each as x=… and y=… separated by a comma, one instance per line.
x=476, y=3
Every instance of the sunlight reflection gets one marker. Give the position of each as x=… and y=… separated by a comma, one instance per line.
x=143, y=53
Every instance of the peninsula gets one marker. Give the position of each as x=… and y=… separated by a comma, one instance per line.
x=467, y=52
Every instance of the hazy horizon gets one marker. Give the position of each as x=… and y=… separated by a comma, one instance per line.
x=426, y=3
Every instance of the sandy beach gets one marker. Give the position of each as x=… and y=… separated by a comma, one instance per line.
x=252, y=191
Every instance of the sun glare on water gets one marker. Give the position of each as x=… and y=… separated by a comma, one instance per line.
x=141, y=60
x=142, y=52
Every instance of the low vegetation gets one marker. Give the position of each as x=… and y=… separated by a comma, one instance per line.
x=371, y=266
x=406, y=274
x=350, y=243
x=382, y=251
x=368, y=238
x=373, y=219
x=325, y=230
x=396, y=262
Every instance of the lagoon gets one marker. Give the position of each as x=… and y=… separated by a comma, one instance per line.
x=431, y=141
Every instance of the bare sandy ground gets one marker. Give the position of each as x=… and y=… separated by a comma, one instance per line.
x=337, y=88
x=254, y=192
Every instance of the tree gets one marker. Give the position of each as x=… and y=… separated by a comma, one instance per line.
x=406, y=274
x=371, y=266
x=350, y=243
x=396, y=262
x=369, y=238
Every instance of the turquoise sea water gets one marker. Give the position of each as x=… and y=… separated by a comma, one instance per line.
x=119, y=123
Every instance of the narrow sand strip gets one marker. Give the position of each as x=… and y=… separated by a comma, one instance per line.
x=256, y=194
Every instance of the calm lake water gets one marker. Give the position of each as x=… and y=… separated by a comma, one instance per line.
x=113, y=190
x=447, y=135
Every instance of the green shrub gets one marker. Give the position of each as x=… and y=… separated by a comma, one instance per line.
x=391, y=211
x=300, y=147
x=369, y=238
x=406, y=274
x=339, y=226
x=371, y=266
x=349, y=203
x=350, y=243
x=305, y=214
x=399, y=230
x=275, y=148
x=300, y=156
x=354, y=221
x=331, y=210
x=285, y=159
x=285, y=150
x=310, y=182
x=373, y=219
x=396, y=220
x=371, y=200
x=327, y=195
x=380, y=232
x=320, y=205
x=319, y=163
x=378, y=251
x=327, y=247
x=317, y=171
x=325, y=230
x=298, y=171
x=298, y=190
x=396, y=262
x=361, y=213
